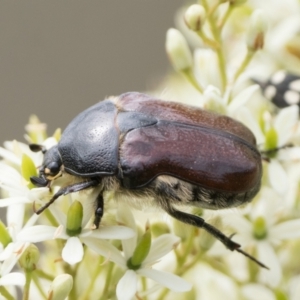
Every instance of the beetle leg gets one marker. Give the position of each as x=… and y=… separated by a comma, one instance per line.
x=199, y=222
x=67, y=190
x=99, y=210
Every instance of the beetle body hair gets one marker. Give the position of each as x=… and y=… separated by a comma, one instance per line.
x=167, y=190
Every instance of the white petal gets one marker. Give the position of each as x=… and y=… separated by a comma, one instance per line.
x=72, y=252
x=267, y=255
x=257, y=291
x=37, y=233
x=125, y=217
x=169, y=280
x=8, y=155
x=15, y=216
x=127, y=286
x=160, y=247
x=105, y=249
x=285, y=121
x=113, y=233
x=13, y=279
x=8, y=250
x=278, y=177
x=294, y=287
x=13, y=200
x=8, y=264
x=244, y=115
x=287, y=230
x=242, y=98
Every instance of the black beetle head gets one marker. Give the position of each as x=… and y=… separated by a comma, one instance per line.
x=51, y=168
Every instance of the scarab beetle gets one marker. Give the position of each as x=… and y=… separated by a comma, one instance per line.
x=152, y=150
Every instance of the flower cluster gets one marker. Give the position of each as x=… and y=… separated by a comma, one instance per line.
x=59, y=253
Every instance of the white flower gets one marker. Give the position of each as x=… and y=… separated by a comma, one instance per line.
x=72, y=252
x=128, y=284
x=13, y=278
x=264, y=229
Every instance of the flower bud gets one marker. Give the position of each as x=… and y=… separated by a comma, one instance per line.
x=74, y=219
x=57, y=134
x=178, y=50
x=28, y=169
x=159, y=228
x=194, y=17
x=271, y=138
x=60, y=287
x=29, y=258
x=256, y=31
x=36, y=130
x=260, y=228
x=141, y=251
x=5, y=238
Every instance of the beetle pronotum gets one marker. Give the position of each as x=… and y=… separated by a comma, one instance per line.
x=148, y=149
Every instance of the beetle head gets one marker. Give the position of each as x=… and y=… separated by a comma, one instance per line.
x=51, y=167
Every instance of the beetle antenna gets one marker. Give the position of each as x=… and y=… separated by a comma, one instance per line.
x=200, y=223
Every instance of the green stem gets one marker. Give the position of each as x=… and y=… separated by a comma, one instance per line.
x=209, y=42
x=44, y=275
x=50, y=218
x=28, y=277
x=144, y=286
x=5, y=293
x=37, y=283
x=107, y=281
x=244, y=64
x=226, y=16
x=72, y=271
x=95, y=274
x=191, y=78
x=217, y=36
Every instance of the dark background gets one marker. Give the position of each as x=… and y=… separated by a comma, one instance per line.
x=59, y=57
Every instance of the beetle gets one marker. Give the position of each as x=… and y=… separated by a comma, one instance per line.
x=282, y=88
x=147, y=149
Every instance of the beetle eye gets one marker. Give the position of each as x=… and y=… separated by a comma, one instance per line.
x=53, y=168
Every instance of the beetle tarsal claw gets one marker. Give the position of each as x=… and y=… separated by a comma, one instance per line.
x=252, y=258
x=33, y=207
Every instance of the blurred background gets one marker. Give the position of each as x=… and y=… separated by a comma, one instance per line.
x=59, y=57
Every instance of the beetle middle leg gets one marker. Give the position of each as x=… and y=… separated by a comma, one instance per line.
x=99, y=210
x=200, y=223
x=67, y=190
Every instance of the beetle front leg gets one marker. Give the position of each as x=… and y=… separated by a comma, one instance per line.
x=199, y=222
x=67, y=190
x=99, y=210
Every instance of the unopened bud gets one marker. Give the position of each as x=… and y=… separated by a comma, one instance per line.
x=271, y=138
x=257, y=30
x=60, y=287
x=74, y=219
x=141, y=251
x=178, y=50
x=260, y=228
x=159, y=228
x=194, y=17
x=28, y=169
x=29, y=258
